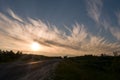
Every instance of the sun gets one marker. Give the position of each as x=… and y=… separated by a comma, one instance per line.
x=35, y=46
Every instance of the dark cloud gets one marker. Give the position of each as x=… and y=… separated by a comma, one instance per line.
x=61, y=45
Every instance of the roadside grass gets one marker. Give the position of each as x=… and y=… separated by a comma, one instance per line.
x=88, y=68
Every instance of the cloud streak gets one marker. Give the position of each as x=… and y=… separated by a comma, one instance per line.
x=14, y=15
x=94, y=8
x=118, y=17
x=19, y=36
x=115, y=32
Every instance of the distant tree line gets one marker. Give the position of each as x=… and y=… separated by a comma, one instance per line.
x=10, y=56
x=6, y=56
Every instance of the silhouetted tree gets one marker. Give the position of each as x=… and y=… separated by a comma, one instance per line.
x=18, y=53
x=103, y=55
x=9, y=55
x=65, y=57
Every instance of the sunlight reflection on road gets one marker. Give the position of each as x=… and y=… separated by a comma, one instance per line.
x=35, y=62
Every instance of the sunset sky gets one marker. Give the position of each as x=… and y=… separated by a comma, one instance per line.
x=60, y=27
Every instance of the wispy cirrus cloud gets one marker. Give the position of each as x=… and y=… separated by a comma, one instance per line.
x=19, y=36
x=94, y=8
x=115, y=31
x=118, y=17
x=14, y=15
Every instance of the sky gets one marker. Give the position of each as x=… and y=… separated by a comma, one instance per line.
x=60, y=27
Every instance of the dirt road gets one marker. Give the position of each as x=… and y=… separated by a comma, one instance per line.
x=39, y=70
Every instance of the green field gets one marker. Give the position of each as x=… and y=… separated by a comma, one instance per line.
x=88, y=68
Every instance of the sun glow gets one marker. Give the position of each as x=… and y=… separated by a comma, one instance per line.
x=35, y=46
